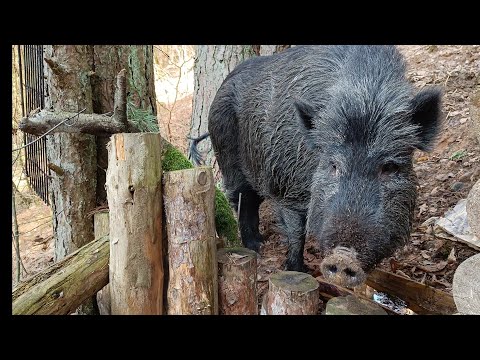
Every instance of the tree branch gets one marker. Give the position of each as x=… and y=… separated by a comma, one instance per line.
x=46, y=121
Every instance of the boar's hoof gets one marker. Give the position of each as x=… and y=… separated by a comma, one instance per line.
x=343, y=268
x=253, y=245
x=295, y=266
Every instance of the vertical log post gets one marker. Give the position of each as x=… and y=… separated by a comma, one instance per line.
x=101, y=227
x=237, y=281
x=190, y=221
x=134, y=193
x=291, y=293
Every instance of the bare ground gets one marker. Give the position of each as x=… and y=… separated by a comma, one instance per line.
x=445, y=176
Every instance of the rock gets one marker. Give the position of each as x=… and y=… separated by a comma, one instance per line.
x=473, y=209
x=466, y=176
x=441, y=177
x=351, y=305
x=466, y=286
x=475, y=114
x=457, y=186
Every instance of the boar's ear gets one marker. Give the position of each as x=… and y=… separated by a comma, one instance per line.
x=306, y=112
x=426, y=114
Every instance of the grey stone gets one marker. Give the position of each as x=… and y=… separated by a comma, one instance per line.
x=351, y=305
x=466, y=286
x=473, y=209
x=457, y=186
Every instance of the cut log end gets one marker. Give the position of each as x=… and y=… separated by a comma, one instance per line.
x=294, y=281
x=351, y=305
x=291, y=293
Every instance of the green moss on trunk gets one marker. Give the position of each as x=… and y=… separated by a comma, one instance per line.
x=225, y=222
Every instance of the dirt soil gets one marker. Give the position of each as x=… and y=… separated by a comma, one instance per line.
x=445, y=176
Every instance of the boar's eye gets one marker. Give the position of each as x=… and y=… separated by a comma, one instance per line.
x=389, y=169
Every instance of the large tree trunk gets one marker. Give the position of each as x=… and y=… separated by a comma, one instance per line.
x=73, y=192
x=108, y=60
x=212, y=65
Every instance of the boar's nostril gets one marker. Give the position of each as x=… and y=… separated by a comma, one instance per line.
x=349, y=272
x=332, y=268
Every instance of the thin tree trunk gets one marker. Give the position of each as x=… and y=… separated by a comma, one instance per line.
x=15, y=235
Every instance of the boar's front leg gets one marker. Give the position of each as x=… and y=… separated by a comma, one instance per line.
x=293, y=226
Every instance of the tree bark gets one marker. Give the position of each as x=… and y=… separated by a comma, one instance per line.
x=291, y=293
x=62, y=287
x=73, y=193
x=237, y=281
x=108, y=60
x=265, y=50
x=190, y=220
x=212, y=65
x=134, y=191
x=101, y=225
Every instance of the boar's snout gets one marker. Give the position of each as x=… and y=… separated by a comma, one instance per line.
x=343, y=268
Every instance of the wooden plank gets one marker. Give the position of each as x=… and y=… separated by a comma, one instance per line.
x=420, y=298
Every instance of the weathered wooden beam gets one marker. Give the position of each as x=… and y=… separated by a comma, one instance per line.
x=134, y=193
x=329, y=290
x=192, y=254
x=62, y=287
x=420, y=298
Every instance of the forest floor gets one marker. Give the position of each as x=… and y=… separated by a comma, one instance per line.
x=445, y=176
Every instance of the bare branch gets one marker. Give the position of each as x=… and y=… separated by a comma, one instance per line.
x=46, y=122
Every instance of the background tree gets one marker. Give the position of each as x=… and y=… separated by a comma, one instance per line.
x=212, y=65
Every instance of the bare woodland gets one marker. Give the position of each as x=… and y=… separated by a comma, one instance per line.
x=168, y=89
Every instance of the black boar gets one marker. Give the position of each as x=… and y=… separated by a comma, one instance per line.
x=327, y=134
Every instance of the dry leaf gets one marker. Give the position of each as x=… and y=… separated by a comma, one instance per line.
x=236, y=256
x=393, y=265
x=434, y=267
x=401, y=273
x=423, y=208
x=451, y=257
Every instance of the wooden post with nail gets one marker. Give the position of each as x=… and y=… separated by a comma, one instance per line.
x=134, y=193
x=190, y=223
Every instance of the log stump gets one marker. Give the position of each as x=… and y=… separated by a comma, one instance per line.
x=192, y=253
x=134, y=192
x=291, y=293
x=237, y=281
